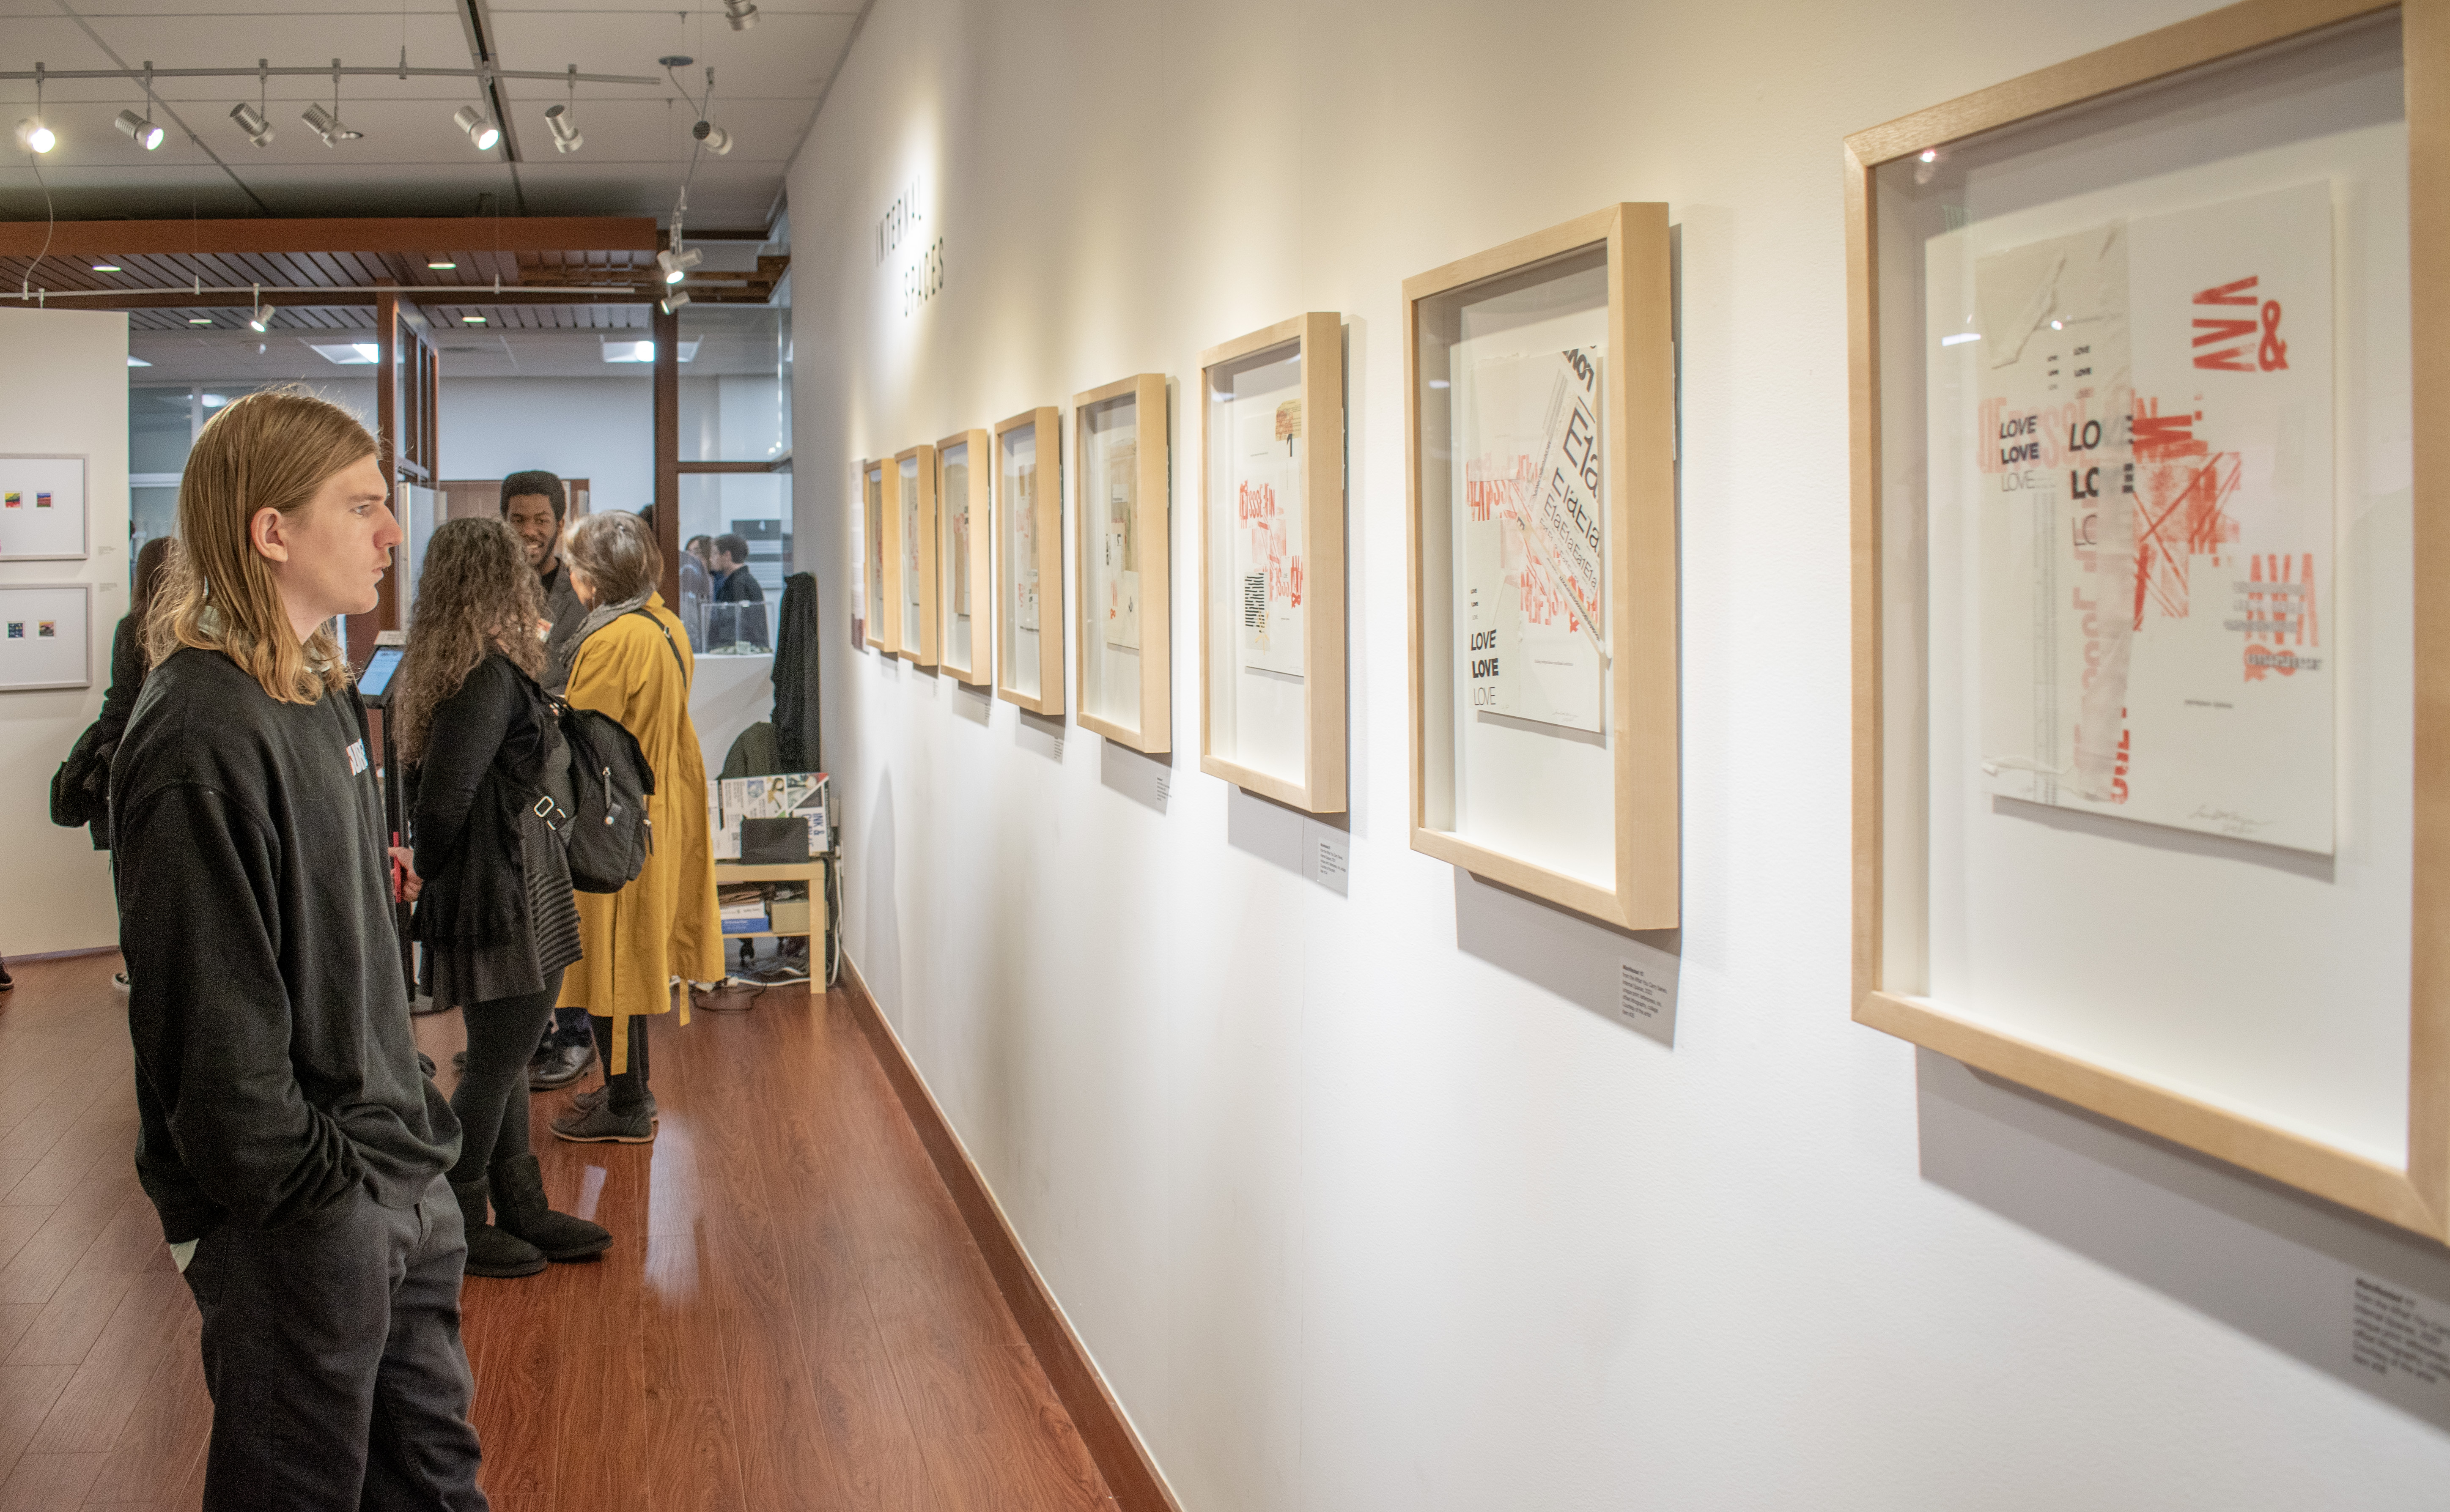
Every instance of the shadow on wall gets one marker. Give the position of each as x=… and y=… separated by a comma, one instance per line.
x=1143, y=779
x=1316, y=847
x=880, y=960
x=1626, y=977
x=2267, y=1260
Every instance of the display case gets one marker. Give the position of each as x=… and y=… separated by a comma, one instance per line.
x=1271, y=714
x=914, y=515
x=1121, y=465
x=1542, y=469
x=964, y=497
x=884, y=625
x=2149, y=624
x=1029, y=560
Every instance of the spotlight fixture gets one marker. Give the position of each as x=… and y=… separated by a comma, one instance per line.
x=261, y=321
x=673, y=302
x=251, y=121
x=712, y=137
x=35, y=136
x=740, y=15
x=139, y=130
x=328, y=125
x=565, y=134
x=481, y=131
x=676, y=265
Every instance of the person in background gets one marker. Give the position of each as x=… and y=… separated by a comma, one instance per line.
x=633, y=663
x=735, y=584
x=88, y=764
x=289, y=1135
x=698, y=588
x=536, y=504
x=496, y=915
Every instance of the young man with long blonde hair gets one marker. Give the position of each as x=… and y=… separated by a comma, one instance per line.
x=290, y=1136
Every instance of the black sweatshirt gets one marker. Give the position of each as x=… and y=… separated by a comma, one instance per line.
x=275, y=1070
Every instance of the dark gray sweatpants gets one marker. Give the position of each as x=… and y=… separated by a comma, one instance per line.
x=332, y=1352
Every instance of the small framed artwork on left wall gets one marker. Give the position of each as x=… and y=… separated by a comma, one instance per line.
x=43, y=509
x=46, y=636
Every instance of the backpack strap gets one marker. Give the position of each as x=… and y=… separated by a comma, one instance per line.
x=669, y=642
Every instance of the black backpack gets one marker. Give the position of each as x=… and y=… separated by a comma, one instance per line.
x=596, y=799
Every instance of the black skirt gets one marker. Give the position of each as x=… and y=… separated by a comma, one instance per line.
x=460, y=974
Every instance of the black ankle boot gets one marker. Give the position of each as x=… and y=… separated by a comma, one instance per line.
x=492, y=1251
x=519, y=1202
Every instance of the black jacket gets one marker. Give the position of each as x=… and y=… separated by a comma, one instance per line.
x=797, y=719
x=81, y=787
x=275, y=1071
x=562, y=606
x=483, y=765
x=739, y=586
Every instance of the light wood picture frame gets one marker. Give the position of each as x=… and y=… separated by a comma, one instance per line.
x=1316, y=339
x=1891, y=952
x=879, y=483
x=1150, y=532
x=1638, y=887
x=914, y=471
x=1021, y=654
x=964, y=544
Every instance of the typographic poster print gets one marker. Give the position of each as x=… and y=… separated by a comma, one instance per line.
x=1118, y=544
x=2153, y=473
x=913, y=562
x=1022, y=549
x=1266, y=533
x=1534, y=537
x=957, y=534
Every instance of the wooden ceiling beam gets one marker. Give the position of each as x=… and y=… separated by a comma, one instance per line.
x=405, y=235
x=440, y=299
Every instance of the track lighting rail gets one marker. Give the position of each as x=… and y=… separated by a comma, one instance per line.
x=386, y=72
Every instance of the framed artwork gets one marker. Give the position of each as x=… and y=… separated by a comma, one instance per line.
x=964, y=494
x=2152, y=727
x=46, y=636
x=914, y=512
x=1122, y=466
x=879, y=482
x=1272, y=710
x=1542, y=468
x=43, y=509
x=1029, y=560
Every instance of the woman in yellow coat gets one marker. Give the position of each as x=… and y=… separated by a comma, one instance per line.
x=633, y=663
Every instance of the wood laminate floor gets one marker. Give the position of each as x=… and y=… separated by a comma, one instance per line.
x=792, y=1316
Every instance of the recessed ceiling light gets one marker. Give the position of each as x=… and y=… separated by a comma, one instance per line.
x=628, y=351
x=214, y=402
x=105, y=267
x=200, y=320
x=138, y=361
x=441, y=264
x=350, y=353
x=472, y=320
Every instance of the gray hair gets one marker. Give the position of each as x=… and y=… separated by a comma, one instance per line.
x=618, y=554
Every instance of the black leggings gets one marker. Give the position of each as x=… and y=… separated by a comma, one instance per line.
x=627, y=1090
x=492, y=1101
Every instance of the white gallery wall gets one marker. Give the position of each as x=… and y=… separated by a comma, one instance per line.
x=601, y=429
x=62, y=389
x=1362, y=1193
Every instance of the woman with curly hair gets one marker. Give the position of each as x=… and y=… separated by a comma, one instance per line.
x=495, y=913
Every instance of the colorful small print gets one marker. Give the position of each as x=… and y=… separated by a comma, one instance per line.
x=12, y=500
x=16, y=629
x=47, y=630
x=42, y=501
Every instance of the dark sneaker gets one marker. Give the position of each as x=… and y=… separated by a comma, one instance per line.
x=559, y=1066
x=601, y=1125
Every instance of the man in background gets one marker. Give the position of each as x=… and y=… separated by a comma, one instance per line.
x=536, y=504
x=735, y=584
x=697, y=586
